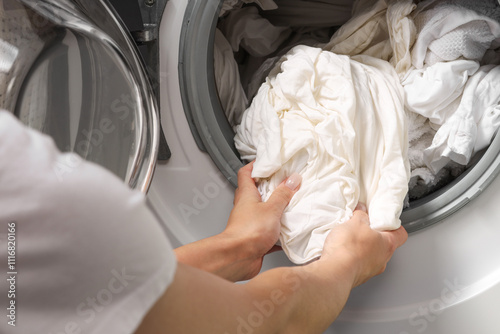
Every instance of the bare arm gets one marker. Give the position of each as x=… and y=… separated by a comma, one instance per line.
x=252, y=231
x=283, y=300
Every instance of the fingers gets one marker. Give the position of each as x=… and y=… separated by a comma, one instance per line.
x=397, y=237
x=246, y=185
x=293, y=181
x=360, y=214
x=361, y=207
x=245, y=176
x=273, y=249
x=282, y=195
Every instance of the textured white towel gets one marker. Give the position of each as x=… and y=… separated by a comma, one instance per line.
x=340, y=123
x=447, y=32
x=448, y=86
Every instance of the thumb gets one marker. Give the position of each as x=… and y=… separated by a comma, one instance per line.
x=282, y=195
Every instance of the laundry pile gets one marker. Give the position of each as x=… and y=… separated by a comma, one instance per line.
x=397, y=101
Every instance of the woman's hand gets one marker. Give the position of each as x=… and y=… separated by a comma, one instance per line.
x=297, y=299
x=252, y=231
x=365, y=250
x=255, y=223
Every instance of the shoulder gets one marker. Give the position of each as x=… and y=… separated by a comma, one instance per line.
x=83, y=234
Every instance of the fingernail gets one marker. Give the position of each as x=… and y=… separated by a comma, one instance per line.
x=362, y=207
x=293, y=181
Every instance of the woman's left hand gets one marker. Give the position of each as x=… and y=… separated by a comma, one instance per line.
x=252, y=231
x=256, y=223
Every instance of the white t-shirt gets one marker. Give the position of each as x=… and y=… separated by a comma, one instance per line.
x=89, y=255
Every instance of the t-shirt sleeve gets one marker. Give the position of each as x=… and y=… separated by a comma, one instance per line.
x=90, y=257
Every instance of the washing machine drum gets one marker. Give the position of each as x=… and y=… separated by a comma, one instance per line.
x=70, y=70
x=214, y=134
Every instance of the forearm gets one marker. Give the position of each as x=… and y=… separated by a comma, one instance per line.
x=313, y=295
x=252, y=231
x=283, y=300
x=220, y=255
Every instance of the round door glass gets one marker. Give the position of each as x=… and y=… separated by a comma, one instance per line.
x=67, y=77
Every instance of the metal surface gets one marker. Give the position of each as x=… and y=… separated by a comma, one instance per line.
x=152, y=13
x=144, y=30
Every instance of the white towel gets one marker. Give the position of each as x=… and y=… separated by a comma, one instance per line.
x=340, y=123
x=448, y=31
x=452, y=41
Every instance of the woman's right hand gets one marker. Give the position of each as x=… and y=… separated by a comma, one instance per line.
x=367, y=251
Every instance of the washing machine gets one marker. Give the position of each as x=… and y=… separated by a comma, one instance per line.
x=445, y=279
x=140, y=98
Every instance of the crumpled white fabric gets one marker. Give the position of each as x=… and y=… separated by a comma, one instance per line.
x=340, y=123
x=472, y=126
x=435, y=91
x=447, y=32
x=227, y=78
x=452, y=40
x=229, y=5
x=245, y=27
x=382, y=29
x=365, y=33
x=423, y=181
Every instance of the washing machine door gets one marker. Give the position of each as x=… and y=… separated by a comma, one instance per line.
x=70, y=70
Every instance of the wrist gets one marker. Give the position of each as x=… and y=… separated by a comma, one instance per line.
x=343, y=266
x=239, y=247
